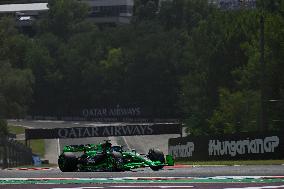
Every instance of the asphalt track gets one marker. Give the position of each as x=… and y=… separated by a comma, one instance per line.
x=153, y=186
x=209, y=177
x=176, y=171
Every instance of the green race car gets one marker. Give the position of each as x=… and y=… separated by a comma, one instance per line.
x=105, y=157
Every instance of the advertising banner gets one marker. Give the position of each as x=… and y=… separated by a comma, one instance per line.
x=105, y=131
x=229, y=147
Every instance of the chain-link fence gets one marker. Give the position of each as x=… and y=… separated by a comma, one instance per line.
x=13, y=153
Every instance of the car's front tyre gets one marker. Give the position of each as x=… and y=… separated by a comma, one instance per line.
x=156, y=155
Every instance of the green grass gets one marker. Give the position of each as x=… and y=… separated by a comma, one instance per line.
x=16, y=129
x=37, y=146
x=231, y=163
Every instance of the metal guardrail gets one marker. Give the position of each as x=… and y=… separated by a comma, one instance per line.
x=13, y=153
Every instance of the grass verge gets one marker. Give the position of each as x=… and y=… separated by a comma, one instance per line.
x=37, y=146
x=16, y=129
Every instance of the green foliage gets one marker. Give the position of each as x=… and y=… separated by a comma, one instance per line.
x=3, y=127
x=16, y=129
x=113, y=70
x=183, y=13
x=237, y=112
x=64, y=17
x=15, y=90
x=15, y=82
x=38, y=147
x=146, y=9
x=180, y=58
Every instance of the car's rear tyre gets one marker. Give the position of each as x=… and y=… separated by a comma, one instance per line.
x=156, y=155
x=67, y=162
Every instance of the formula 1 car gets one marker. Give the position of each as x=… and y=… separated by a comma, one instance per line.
x=105, y=157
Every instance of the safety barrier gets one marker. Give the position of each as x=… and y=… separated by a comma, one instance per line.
x=13, y=153
x=241, y=146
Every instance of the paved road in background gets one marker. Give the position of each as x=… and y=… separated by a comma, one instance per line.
x=54, y=146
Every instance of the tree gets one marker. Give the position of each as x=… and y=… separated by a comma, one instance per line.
x=180, y=57
x=113, y=76
x=63, y=17
x=183, y=13
x=213, y=54
x=146, y=9
x=15, y=81
x=3, y=128
x=37, y=58
x=15, y=90
x=237, y=112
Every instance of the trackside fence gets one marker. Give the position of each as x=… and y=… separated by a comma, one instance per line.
x=13, y=153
